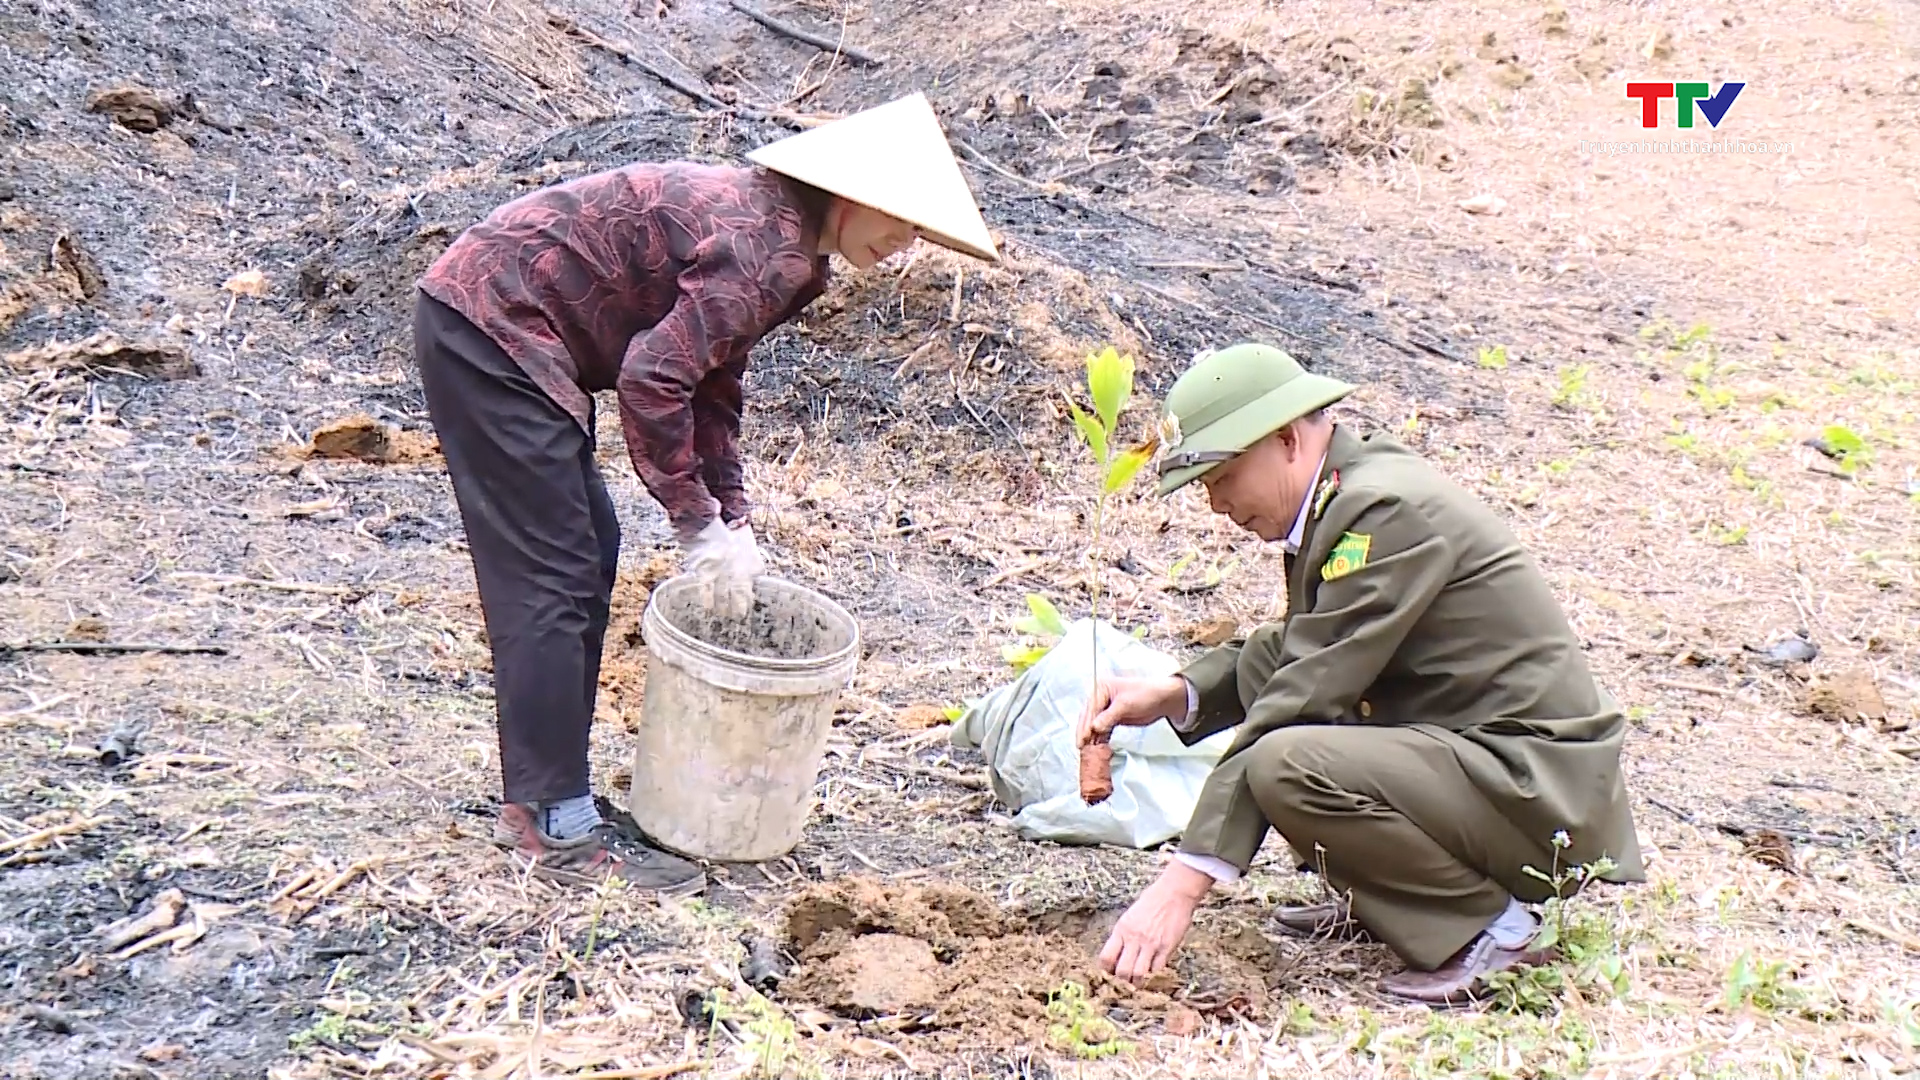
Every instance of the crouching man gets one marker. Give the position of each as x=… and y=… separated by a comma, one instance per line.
x=1422, y=728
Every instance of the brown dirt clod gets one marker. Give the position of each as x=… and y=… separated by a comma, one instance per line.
x=876, y=974
x=923, y=717
x=1850, y=697
x=1211, y=632
x=939, y=914
x=79, y=273
x=365, y=439
x=135, y=108
x=106, y=349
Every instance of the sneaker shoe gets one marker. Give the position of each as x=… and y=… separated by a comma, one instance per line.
x=1463, y=979
x=1329, y=920
x=592, y=859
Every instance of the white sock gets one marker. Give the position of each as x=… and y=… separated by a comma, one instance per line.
x=1514, y=927
x=569, y=819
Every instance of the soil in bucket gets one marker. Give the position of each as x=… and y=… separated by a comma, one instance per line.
x=773, y=631
x=948, y=966
x=736, y=718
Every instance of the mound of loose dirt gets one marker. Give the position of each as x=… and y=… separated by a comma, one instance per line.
x=949, y=963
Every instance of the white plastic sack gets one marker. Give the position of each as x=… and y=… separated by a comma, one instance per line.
x=1027, y=730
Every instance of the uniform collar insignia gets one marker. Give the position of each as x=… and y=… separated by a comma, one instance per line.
x=1325, y=493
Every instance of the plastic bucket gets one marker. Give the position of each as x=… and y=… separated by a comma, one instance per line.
x=735, y=719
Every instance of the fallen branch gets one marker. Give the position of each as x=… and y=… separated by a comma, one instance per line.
x=54, y=832
x=838, y=48
x=988, y=163
x=1743, y=831
x=652, y=1072
x=111, y=647
x=1692, y=687
x=1905, y=941
x=622, y=50
x=163, y=914
x=223, y=581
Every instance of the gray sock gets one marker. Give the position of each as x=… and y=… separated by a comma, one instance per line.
x=1515, y=927
x=569, y=819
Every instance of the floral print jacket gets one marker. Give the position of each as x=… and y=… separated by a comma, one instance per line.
x=655, y=281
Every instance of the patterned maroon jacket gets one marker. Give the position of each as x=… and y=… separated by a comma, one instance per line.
x=654, y=281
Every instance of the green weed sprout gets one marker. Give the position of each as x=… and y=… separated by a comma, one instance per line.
x=1077, y=1027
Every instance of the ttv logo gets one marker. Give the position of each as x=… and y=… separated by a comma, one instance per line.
x=1687, y=96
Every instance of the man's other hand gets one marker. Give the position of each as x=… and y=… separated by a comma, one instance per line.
x=1146, y=935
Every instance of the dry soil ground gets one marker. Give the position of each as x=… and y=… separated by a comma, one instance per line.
x=1688, y=380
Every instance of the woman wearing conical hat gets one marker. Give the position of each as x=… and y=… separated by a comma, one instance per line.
x=655, y=281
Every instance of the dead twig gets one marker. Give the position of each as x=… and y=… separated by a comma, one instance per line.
x=1743, y=831
x=988, y=163
x=1696, y=688
x=651, y=1072
x=224, y=581
x=857, y=55
x=90, y=647
x=78, y=825
x=1905, y=941
x=625, y=53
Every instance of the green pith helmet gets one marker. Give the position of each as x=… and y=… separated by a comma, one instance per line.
x=1230, y=400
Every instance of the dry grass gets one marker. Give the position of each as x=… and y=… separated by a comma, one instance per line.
x=514, y=55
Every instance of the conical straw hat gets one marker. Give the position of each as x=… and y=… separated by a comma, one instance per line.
x=893, y=158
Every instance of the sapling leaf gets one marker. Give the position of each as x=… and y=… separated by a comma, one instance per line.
x=1090, y=430
x=1023, y=657
x=1046, y=615
x=1110, y=380
x=1124, y=468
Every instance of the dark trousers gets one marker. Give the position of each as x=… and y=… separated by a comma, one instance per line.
x=544, y=540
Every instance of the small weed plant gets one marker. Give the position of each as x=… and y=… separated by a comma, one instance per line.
x=1078, y=1028
x=769, y=1040
x=1572, y=393
x=1587, y=942
x=1847, y=447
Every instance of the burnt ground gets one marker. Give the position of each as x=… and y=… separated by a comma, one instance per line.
x=1163, y=180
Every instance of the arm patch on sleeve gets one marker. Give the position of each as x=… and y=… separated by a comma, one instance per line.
x=1349, y=554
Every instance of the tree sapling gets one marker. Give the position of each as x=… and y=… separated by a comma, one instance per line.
x=1110, y=384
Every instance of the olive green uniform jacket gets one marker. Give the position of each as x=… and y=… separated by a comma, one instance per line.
x=1440, y=622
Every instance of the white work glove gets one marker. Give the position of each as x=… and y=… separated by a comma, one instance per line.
x=725, y=561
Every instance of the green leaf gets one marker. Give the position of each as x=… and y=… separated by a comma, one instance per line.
x=1023, y=657
x=1110, y=380
x=1843, y=440
x=1046, y=615
x=1090, y=430
x=1123, y=469
x=1549, y=937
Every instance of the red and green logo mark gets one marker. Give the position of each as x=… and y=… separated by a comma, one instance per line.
x=1687, y=97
